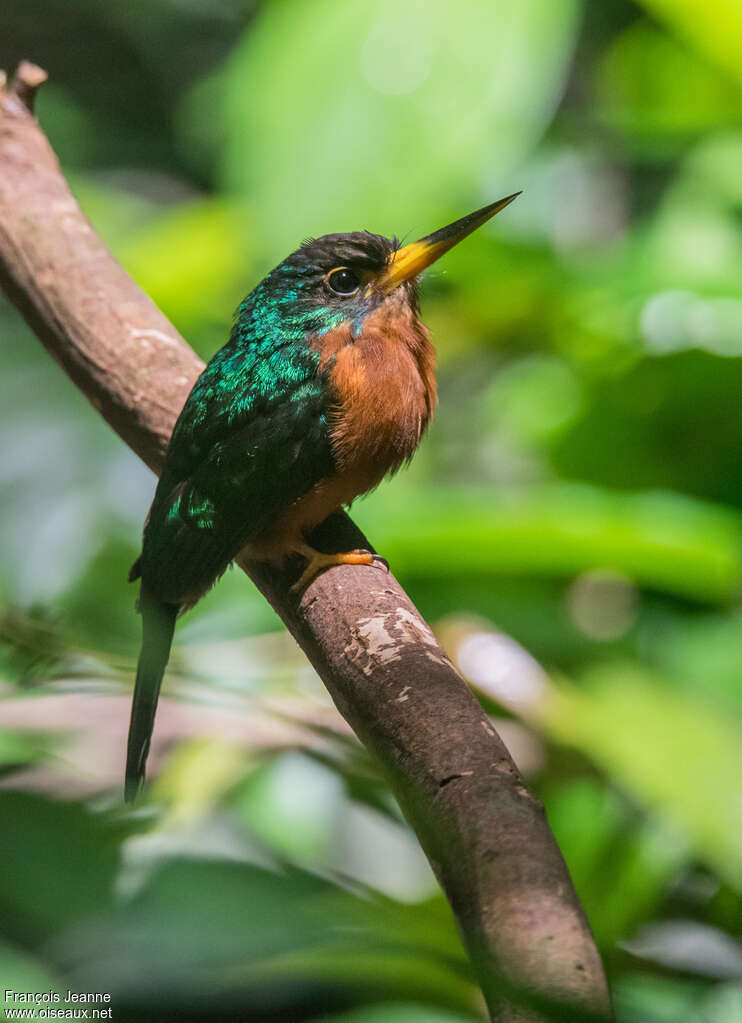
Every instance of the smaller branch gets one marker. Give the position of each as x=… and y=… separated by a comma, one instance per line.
x=26, y=83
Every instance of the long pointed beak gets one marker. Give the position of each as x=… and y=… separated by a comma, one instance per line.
x=411, y=260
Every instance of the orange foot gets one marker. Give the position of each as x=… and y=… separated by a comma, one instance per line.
x=317, y=562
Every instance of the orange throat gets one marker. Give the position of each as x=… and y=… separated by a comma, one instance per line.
x=384, y=390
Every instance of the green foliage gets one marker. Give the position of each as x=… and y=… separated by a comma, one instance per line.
x=671, y=756
x=580, y=491
x=384, y=112
x=199, y=934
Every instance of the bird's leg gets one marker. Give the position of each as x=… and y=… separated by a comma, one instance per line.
x=317, y=562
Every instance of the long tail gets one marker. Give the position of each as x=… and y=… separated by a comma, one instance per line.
x=158, y=625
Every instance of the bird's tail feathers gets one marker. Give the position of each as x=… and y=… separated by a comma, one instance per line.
x=158, y=625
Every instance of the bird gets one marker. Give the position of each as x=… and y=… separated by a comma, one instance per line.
x=325, y=386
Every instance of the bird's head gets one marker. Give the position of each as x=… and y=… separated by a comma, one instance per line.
x=342, y=278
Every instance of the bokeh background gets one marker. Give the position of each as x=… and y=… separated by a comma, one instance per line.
x=572, y=525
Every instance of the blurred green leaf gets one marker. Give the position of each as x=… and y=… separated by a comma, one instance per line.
x=700, y=655
x=713, y=28
x=534, y=400
x=660, y=540
x=672, y=752
x=423, y=108
x=291, y=802
x=657, y=91
x=219, y=933
x=609, y=851
x=57, y=866
x=669, y=422
x=23, y=748
x=191, y=261
x=647, y=999
x=22, y=972
x=196, y=776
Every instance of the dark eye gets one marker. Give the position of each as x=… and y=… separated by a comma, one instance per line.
x=343, y=281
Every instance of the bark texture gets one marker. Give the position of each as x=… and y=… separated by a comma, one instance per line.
x=485, y=835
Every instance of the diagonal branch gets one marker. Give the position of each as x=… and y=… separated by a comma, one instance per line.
x=484, y=834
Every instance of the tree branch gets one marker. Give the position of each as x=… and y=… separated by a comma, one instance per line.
x=484, y=834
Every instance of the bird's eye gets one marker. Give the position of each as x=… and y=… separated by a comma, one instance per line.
x=343, y=281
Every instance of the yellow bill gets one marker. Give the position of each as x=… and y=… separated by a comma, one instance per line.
x=411, y=260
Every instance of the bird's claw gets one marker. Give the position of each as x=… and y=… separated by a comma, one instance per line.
x=318, y=562
x=378, y=560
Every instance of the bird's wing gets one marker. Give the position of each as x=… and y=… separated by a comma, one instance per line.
x=244, y=448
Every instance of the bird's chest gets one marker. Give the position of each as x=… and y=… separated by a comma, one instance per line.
x=383, y=394
x=378, y=414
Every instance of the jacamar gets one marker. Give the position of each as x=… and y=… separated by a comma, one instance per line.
x=326, y=385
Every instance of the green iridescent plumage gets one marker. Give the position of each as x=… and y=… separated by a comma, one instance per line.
x=252, y=438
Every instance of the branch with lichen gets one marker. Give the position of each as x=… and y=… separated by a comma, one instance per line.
x=485, y=835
